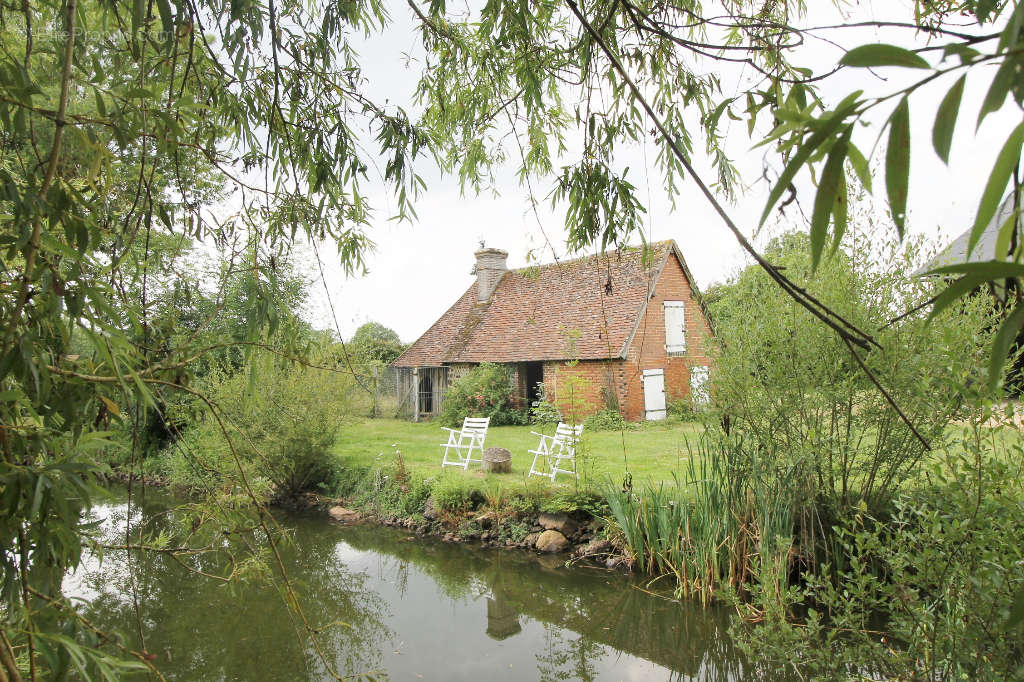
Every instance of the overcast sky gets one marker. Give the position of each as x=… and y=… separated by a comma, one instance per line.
x=417, y=271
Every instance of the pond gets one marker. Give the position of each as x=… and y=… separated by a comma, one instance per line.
x=401, y=607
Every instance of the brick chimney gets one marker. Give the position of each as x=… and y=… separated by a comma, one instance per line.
x=490, y=266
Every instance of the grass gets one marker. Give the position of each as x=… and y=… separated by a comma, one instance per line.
x=651, y=454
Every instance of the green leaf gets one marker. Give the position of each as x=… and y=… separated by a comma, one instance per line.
x=1017, y=608
x=803, y=153
x=955, y=291
x=983, y=9
x=860, y=165
x=990, y=269
x=1005, y=337
x=945, y=120
x=840, y=213
x=1001, y=84
x=166, y=20
x=897, y=164
x=1006, y=232
x=882, y=54
x=825, y=199
x=138, y=15
x=997, y=179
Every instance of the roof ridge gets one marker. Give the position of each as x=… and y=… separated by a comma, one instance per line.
x=663, y=243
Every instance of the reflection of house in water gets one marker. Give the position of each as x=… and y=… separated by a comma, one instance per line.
x=603, y=610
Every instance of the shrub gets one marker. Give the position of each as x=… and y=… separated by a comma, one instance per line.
x=588, y=502
x=682, y=409
x=929, y=592
x=454, y=493
x=485, y=391
x=803, y=403
x=608, y=420
x=282, y=422
x=544, y=411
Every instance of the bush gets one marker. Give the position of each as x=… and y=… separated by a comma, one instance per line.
x=544, y=411
x=486, y=391
x=282, y=423
x=682, y=410
x=792, y=388
x=608, y=420
x=454, y=493
x=931, y=592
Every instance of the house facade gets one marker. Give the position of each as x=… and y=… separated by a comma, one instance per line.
x=625, y=330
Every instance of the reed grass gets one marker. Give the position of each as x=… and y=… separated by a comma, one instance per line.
x=714, y=526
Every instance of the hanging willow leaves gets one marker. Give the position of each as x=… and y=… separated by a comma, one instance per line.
x=897, y=164
x=827, y=196
x=1002, y=344
x=860, y=165
x=1002, y=81
x=827, y=128
x=945, y=119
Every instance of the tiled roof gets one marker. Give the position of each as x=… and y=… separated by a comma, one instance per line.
x=583, y=309
x=984, y=250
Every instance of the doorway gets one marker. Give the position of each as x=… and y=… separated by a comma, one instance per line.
x=534, y=372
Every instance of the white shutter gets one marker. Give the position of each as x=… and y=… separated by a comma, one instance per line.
x=675, y=326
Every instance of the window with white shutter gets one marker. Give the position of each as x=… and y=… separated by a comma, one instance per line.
x=675, y=327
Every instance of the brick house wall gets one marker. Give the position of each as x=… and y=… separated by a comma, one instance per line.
x=579, y=389
x=648, y=348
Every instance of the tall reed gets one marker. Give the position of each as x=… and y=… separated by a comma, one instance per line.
x=720, y=524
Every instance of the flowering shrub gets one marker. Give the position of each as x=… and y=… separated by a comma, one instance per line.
x=486, y=391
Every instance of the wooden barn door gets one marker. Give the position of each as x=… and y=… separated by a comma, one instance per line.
x=654, y=394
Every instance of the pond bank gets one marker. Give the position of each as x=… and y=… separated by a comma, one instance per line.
x=568, y=524
x=576, y=537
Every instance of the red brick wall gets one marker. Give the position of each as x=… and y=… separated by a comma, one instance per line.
x=648, y=348
x=580, y=389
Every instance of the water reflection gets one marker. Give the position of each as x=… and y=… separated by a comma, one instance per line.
x=407, y=608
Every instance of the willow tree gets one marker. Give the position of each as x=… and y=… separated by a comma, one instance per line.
x=123, y=123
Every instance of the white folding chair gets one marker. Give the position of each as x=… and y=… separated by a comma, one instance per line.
x=557, y=451
x=464, y=442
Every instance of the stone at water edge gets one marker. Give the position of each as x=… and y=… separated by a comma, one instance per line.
x=485, y=520
x=339, y=513
x=531, y=539
x=598, y=546
x=430, y=509
x=551, y=541
x=560, y=522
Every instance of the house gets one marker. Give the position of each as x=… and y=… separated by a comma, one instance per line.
x=625, y=330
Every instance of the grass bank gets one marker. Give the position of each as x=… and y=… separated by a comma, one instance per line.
x=651, y=453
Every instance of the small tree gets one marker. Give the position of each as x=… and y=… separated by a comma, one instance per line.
x=375, y=344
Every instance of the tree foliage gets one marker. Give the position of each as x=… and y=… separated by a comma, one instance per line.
x=375, y=344
x=804, y=408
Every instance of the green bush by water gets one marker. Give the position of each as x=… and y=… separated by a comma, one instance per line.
x=277, y=422
x=932, y=591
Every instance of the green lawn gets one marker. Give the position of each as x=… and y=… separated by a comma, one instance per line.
x=652, y=452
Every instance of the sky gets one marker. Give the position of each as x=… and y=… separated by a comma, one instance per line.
x=418, y=270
